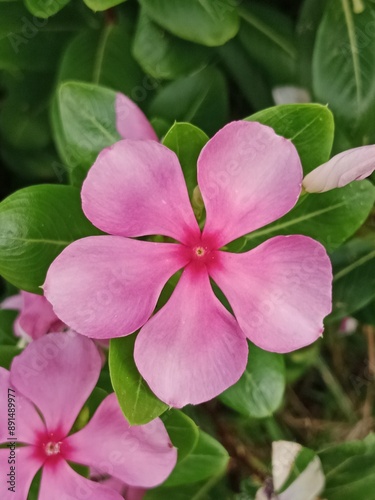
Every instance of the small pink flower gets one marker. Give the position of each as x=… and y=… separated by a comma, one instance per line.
x=49, y=382
x=193, y=348
x=36, y=316
x=352, y=165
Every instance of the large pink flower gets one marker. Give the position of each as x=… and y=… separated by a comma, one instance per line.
x=193, y=348
x=36, y=316
x=49, y=383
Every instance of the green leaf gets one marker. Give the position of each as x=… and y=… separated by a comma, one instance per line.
x=137, y=402
x=353, y=277
x=344, y=75
x=7, y=318
x=208, y=459
x=200, y=99
x=194, y=491
x=28, y=42
x=330, y=217
x=182, y=431
x=103, y=57
x=97, y=5
x=7, y=353
x=186, y=141
x=80, y=136
x=350, y=470
x=308, y=22
x=309, y=126
x=36, y=224
x=164, y=56
x=46, y=8
x=208, y=22
x=260, y=390
x=247, y=75
x=268, y=37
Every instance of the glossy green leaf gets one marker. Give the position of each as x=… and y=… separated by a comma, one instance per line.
x=206, y=22
x=349, y=469
x=46, y=8
x=97, y=5
x=268, y=37
x=344, y=75
x=208, y=459
x=137, y=402
x=36, y=224
x=80, y=136
x=354, y=277
x=309, y=126
x=260, y=390
x=103, y=57
x=200, y=99
x=186, y=141
x=193, y=491
x=330, y=217
x=182, y=431
x=163, y=55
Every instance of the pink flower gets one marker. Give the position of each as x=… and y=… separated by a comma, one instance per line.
x=49, y=383
x=131, y=122
x=193, y=348
x=352, y=165
x=36, y=316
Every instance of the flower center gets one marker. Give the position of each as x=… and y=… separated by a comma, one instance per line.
x=52, y=448
x=199, y=251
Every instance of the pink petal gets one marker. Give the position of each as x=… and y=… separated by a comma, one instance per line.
x=279, y=292
x=61, y=482
x=136, y=188
x=131, y=122
x=138, y=456
x=37, y=317
x=248, y=177
x=25, y=418
x=108, y=286
x=27, y=465
x=14, y=302
x=58, y=373
x=352, y=165
x=192, y=349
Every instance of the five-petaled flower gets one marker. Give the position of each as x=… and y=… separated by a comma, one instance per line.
x=49, y=382
x=35, y=318
x=193, y=348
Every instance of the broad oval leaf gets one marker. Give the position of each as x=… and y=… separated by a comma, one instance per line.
x=80, y=136
x=309, y=126
x=186, y=141
x=182, y=431
x=46, y=8
x=36, y=224
x=204, y=103
x=344, y=75
x=268, y=37
x=260, y=390
x=163, y=55
x=353, y=277
x=201, y=21
x=208, y=459
x=137, y=401
x=104, y=57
